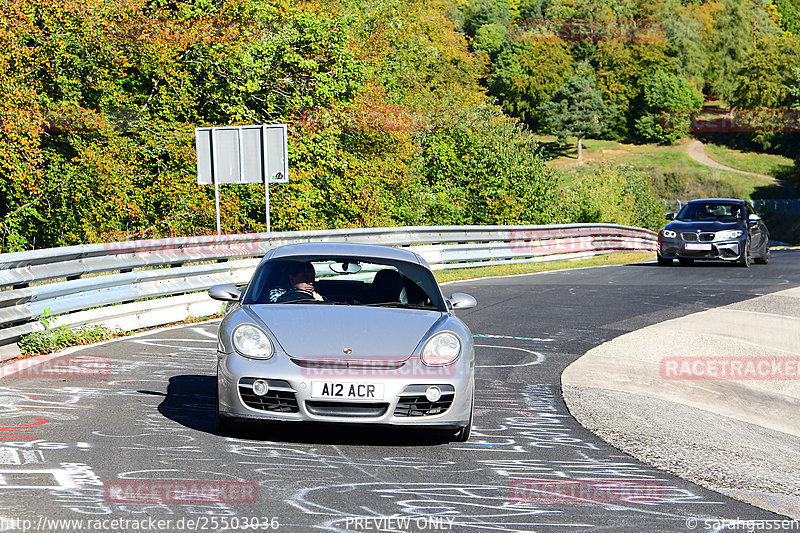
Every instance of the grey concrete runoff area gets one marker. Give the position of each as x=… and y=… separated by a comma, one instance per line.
x=658, y=394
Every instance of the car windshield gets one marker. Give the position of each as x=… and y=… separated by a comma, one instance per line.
x=710, y=211
x=344, y=281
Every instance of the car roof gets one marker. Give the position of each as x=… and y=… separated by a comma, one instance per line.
x=343, y=249
x=737, y=200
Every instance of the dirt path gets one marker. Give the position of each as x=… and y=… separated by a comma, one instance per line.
x=697, y=151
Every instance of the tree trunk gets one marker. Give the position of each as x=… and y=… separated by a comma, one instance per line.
x=580, y=148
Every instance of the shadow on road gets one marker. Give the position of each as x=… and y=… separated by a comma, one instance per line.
x=190, y=401
x=701, y=264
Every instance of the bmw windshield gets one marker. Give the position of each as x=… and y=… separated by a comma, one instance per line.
x=710, y=211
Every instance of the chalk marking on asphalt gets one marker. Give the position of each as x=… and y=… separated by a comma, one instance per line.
x=488, y=336
x=539, y=357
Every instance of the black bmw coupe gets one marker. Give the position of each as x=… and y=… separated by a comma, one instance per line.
x=721, y=229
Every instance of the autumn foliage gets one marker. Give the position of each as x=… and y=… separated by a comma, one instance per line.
x=99, y=100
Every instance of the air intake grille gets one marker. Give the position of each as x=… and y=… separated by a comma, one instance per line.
x=414, y=403
x=279, y=398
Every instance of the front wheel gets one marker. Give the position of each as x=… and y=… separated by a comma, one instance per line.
x=764, y=259
x=744, y=258
x=664, y=261
x=463, y=433
x=686, y=262
x=222, y=423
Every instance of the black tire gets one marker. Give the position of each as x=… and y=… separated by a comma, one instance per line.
x=222, y=423
x=744, y=258
x=686, y=262
x=463, y=433
x=764, y=259
x=664, y=261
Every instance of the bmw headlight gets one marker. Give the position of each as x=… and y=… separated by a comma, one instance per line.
x=252, y=342
x=441, y=349
x=668, y=233
x=728, y=234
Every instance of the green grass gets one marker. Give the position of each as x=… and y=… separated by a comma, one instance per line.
x=676, y=175
x=776, y=166
x=619, y=258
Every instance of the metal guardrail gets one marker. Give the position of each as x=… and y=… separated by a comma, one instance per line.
x=135, y=284
x=763, y=207
x=778, y=207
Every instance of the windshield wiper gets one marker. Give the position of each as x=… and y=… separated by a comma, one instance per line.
x=402, y=305
x=308, y=301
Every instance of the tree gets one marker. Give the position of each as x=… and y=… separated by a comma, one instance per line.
x=477, y=13
x=576, y=109
x=789, y=11
x=490, y=38
x=794, y=88
x=686, y=29
x=666, y=103
x=765, y=78
x=733, y=40
x=527, y=74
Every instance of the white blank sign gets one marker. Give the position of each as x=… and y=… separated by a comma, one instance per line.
x=242, y=154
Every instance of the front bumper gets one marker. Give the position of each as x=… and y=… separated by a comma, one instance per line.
x=402, y=401
x=727, y=250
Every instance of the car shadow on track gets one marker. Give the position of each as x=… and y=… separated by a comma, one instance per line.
x=701, y=264
x=190, y=401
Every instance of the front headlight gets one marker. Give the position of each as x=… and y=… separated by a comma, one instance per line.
x=728, y=234
x=252, y=342
x=668, y=233
x=441, y=349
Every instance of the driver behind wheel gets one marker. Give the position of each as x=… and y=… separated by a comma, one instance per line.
x=301, y=278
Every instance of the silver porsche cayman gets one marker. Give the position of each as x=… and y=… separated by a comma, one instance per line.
x=345, y=333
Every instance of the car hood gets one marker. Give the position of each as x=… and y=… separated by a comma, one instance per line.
x=327, y=332
x=704, y=226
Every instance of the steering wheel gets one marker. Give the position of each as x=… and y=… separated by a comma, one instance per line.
x=294, y=295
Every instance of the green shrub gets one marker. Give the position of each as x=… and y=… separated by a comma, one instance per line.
x=53, y=340
x=614, y=196
x=489, y=172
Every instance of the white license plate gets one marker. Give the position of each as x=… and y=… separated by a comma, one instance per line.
x=344, y=390
x=698, y=246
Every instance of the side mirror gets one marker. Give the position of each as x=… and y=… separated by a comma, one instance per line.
x=225, y=293
x=670, y=216
x=459, y=300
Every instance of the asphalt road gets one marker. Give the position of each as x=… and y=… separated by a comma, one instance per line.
x=66, y=445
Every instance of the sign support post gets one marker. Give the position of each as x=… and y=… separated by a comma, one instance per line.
x=242, y=154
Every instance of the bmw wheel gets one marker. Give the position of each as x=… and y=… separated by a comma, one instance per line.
x=744, y=258
x=663, y=261
x=764, y=259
